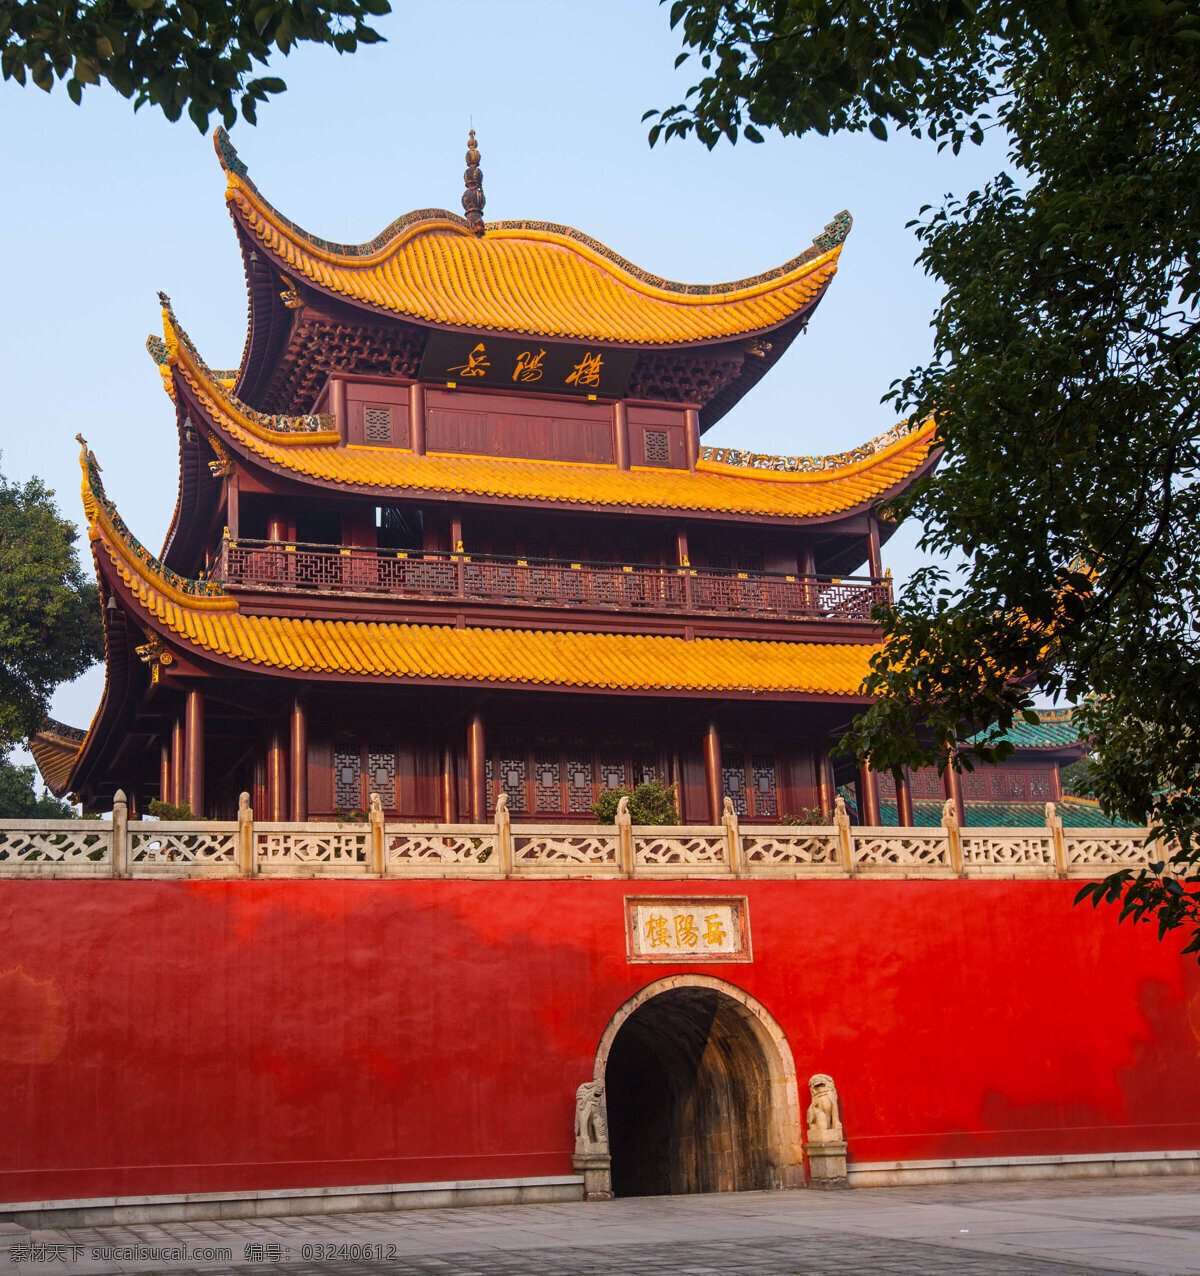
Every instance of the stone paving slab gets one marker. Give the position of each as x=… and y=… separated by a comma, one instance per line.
x=1055, y=1229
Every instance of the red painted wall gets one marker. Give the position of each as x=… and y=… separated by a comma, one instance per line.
x=171, y=1037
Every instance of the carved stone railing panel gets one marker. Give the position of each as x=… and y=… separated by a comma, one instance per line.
x=1006, y=849
x=458, y=850
x=790, y=852
x=85, y=848
x=55, y=847
x=900, y=850
x=565, y=847
x=678, y=848
x=313, y=848
x=162, y=843
x=1098, y=852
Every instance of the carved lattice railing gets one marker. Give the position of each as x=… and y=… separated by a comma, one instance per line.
x=533, y=582
x=147, y=848
x=181, y=848
x=1000, y=852
x=312, y=850
x=56, y=848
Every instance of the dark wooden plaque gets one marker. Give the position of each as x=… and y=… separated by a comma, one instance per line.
x=537, y=367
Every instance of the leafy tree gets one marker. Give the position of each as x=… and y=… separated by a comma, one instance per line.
x=649, y=803
x=1065, y=376
x=197, y=56
x=18, y=800
x=50, y=629
x=1076, y=778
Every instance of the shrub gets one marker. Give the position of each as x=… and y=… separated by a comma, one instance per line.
x=650, y=803
x=805, y=815
x=169, y=810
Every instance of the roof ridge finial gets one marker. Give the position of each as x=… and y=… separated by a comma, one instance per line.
x=473, y=200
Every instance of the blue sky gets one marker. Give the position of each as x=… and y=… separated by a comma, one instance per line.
x=102, y=208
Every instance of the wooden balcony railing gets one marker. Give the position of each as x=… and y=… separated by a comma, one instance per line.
x=534, y=582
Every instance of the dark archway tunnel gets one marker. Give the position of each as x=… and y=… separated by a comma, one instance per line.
x=688, y=1091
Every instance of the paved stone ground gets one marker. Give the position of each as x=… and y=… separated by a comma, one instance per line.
x=1027, y=1229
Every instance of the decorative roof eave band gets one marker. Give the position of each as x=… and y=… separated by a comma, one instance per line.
x=240, y=189
x=222, y=408
x=104, y=523
x=445, y=486
x=202, y=636
x=181, y=355
x=811, y=279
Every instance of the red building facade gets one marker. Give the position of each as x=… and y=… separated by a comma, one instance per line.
x=449, y=535
x=450, y=531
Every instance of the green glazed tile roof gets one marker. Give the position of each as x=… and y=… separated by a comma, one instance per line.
x=1075, y=814
x=1056, y=730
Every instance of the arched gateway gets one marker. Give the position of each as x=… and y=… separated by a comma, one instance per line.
x=701, y=1092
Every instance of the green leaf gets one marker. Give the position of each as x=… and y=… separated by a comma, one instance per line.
x=878, y=128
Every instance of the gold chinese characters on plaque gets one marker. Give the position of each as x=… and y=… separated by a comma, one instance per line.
x=678, y=928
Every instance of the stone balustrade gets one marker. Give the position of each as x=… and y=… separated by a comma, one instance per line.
x=120, y=847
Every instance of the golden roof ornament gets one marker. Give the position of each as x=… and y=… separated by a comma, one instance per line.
x=473, y=200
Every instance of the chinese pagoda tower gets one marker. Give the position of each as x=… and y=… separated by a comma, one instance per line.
x=450, y=531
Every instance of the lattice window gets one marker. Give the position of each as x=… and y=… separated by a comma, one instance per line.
x=927, y=785
x=1009, y=784
x=974, y=786
x=489, y=785
x=733, y=779
x=347, y=777
x=513, y=777
x=645, y=765
x=547, y=780
x=613, y=772
x=580, y=785
x=658, y=447
x=750, y=562
x=377, y=425
x=765, y=786
x=1039, y=786
x=381, y=777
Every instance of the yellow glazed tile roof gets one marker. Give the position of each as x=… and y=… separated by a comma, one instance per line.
x=309, y=449
x=528, y=277
x=55, y=756
x=213, y=622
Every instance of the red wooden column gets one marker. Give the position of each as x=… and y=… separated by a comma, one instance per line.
x=449, y=787
x=826, y=789
x=874, y=553
x=337, y=404
x=416, y=419
x=476, y=768
x=177, y=760
x=620, y=428
x=194, y=767
x=299, y=762
x=683, y=558
x=712, y=771
x=904, y=806
x=952, y=787
x=808, y=570
x=232, y=505
x=164, y=769
x=868, y=796
x=277, y=805
x=692, y=439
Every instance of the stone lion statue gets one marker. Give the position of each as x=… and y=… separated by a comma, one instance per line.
x=591, y=1129
x=824, y=1118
